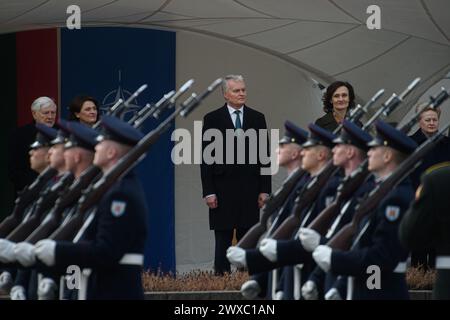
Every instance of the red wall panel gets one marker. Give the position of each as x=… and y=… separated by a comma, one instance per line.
x=37, y=69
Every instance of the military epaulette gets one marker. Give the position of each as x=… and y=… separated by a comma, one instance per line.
x=437, y=166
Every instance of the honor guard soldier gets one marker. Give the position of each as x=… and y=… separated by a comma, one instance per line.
x=427, y=224
x=289, y=157
x=110, y=245
x=39, y=160
x=79, y=150
x=349, y=153
x=290, y=253
x=42, y=145
x=376, y=245
x=25, y=284
x=274, y=254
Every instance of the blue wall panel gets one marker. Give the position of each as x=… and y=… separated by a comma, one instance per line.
x=91, y=61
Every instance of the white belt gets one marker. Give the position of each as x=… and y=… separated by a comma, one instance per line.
x=82, y=294
x=350, y=288
x=297, y=281
x=443, y=262
x=136, y=259
x=400, y=268
x=274, y=283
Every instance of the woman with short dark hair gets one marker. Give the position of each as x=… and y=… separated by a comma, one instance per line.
x=84, y=109
x=338, y=99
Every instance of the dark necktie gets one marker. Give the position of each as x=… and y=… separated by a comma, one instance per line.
x=238, y=124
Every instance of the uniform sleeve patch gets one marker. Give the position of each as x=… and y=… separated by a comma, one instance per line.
x=392, y=213
x=118, y=208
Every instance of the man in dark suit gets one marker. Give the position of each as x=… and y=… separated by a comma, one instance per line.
x=234, y=191
x=44, y=111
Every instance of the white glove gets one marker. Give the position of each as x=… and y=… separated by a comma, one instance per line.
x=47, y=289
x=322, y=255
x=25, y=255
x=45, y=251
x=18, y=293
x=7, y=251
x=236, y=256
x=6, y=282
x=333, y=294
x=278, y=295
x=310, y=239
x=309, y=290
x=250, y=289
x=268, y=248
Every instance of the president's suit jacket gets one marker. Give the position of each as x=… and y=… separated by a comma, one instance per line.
x=237, y=186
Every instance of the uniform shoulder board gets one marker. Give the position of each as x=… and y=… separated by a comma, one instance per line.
x=437, y=166
x=392, y=213
x=118, y=208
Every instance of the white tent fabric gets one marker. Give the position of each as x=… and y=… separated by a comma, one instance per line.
x=326, y=38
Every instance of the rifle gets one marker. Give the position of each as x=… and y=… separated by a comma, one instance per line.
x=30, y=193
x=274, y=201
x=308, y=196
x=277, y=199
x=118, y=107
x=43, y=204
x=90, y=175
x=343, y=239
x=93, y=194
x=149, y=109
x=344, y=191
x=351, y=183
x=73, y=193
x=25, y=198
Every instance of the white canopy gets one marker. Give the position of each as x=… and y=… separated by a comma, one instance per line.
x=328, y=39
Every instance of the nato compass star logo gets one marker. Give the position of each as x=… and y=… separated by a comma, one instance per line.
x=112, y=97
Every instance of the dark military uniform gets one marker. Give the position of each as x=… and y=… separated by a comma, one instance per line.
x=43, y=138
x=297, y=261
x=290, y=252
x=377, y=243
x=380, y=246
x=293, y=134
x=110, y=245
x=113, y=245
x=325, y=281
x=28, y=277
x=437, y=156
x=350, y=134
x=427, y=224
x=19, y=170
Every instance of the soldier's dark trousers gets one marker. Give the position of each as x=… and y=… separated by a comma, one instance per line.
x=223, y=242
